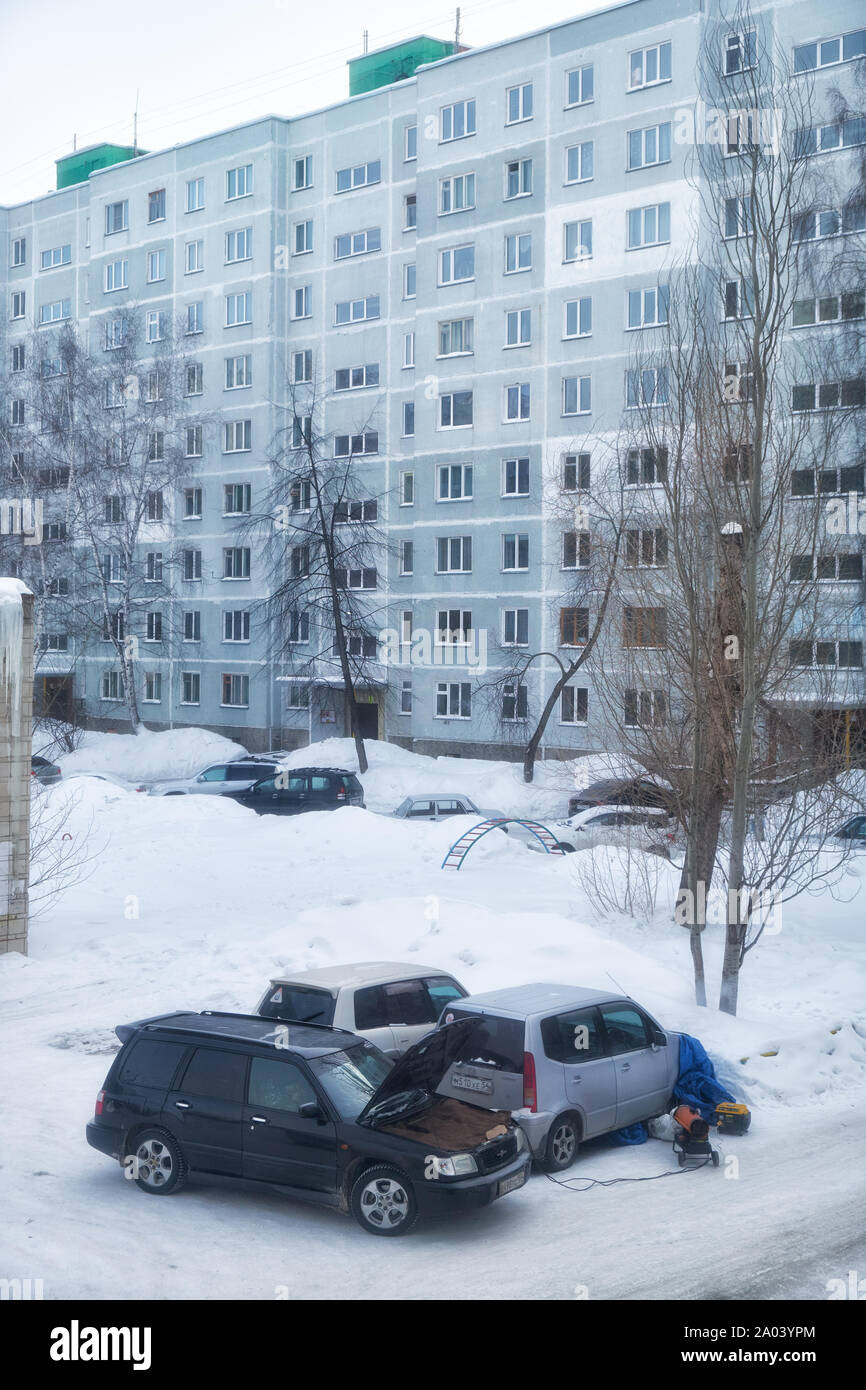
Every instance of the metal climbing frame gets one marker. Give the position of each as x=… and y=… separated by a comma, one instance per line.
x=459, y=850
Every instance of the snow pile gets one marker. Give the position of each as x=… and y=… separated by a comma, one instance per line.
x=149, y=756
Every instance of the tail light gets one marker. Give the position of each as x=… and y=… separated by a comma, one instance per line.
x=341, y=792
x=100, y=1099
x=530, y=1097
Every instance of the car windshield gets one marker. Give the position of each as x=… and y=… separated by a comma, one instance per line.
x=351, y=1077
x=301, y=1005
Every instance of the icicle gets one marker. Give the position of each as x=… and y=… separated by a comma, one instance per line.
x=11, y=645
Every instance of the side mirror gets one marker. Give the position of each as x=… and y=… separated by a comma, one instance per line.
x=311, y=1111
x=660, y=1039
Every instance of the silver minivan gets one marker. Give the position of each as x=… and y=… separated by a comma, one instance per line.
x=570, y=1064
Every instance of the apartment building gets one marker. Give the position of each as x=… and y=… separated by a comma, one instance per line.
x=459, y=258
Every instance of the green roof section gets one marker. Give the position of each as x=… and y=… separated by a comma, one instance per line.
x=395, y=63
x=78, y=166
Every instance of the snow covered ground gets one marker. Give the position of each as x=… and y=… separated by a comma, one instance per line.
x=195, y=902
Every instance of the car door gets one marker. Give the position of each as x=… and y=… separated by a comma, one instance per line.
x=212, y=782
x=205, y=1110
x=447, y=806
x=271, y=797
x=641, y=1067
x=321, y=793
x=574, y=1044
x=597, y=830
x=411, y=1011
x=280, y=1145
x=371, y=1018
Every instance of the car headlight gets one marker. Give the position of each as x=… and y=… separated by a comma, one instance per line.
x=522, y=1141
x=457, y=1166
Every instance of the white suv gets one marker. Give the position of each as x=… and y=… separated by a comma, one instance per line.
x=648, y=828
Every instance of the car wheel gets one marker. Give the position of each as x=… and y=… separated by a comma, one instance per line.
x=158, y=1165
x=383, y=1201
x=563, y=1141
x=565, y=847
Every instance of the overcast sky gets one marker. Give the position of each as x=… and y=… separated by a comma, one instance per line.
x=71, y=68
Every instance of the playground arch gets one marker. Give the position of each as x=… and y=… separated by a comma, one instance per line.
x=461, y=847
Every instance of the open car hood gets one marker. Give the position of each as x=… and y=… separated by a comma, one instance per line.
x=414, y=1078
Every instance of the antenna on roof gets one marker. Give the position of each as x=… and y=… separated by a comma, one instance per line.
x=366, y=39
x=457, y=29
x=135, y=127
x=74, y=143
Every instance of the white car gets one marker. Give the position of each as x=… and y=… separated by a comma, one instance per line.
x=219, y=778
x=441, y=805
x=648, y=828
x=391, y=1004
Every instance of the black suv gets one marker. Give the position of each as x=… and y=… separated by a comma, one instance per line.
x=314, y=1112
x=623, y=791
x=297, y=789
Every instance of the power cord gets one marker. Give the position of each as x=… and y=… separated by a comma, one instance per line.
x=612, y=1182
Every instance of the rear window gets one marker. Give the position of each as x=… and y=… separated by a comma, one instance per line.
x=496, y=1043
x=575, y=1036
x=150, y=1063
x=215, y=1075
x=299, y=1004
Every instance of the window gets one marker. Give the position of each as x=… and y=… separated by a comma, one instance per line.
x=357, y=310
x=156, y=206
x=239, y=182
x=236, y=562
x=299, y=626
x=54, y=531
x=645, y=709
x=407, y=557
x=57, y=311
x=194, y=379
x=190, y=688
x=650, y=226
x=55, y=641
x=809, y=56
x=454, y=555
x=518, y=328
x=646, y=549
x=57, y=256
x=112, y=685
x=648, y=386
x=154, y=508
x=456, y=193
x=192, y=564
x=407, y=489
x=456, y=264
x=17, y=411
x=353, y=378
x=739, y=52
x=515, y=627
x=113, y=509
x=409, y=281
x=518, y=178
x=300, y=495
x=518, y=103
x=456, y=337
x=455, y=410
x=357, y=243
x=454, y=482
x=237, y=499
x=239, y=372
x=302, y=172
x=515, y=702
x=517, y=401
x=573, y=627
x=579, y=86
x=237, y=436
x=239, y=245
x=359, y=176
x=156, y=447
x=193, y=257
x=578, y=241
x=649, y=146
x=576, y=395
x=113, y=627
x=194, y=199
x=832, y=308
x=574, y=704
x=362, y=644
x=409, y=349
x=298, y=697
x=153, y=627
x=410, y=142
x=644, y=627
x=192, y=504
x=116, y=217
x=829, y=395
x=18, y=304
x=350, y=445
x=18, y=358
x=406, y=697
x=239, y=308
x=737, y=465
x=19, y=250
x=515, y=551
x=154, y=321
x=193, y=441
x=846, y=655
x=647, y=308
x=738, y=217
x=457, y=121
x=302, y=431
x=236, y=690
x=738, y=299
x=578, y=318
x=576, y=472
x=828, y=569
x=303, y=241
x=302, y=366
x=646, y=467
x=579, y=162
x=575, y=550
x=453, y=700
x=648, y=66
x=195, y=317
x=357, y=579
x=515, y=477
x=518, y=253
x=153, y=567
x=408, y=419
x=116, y=273
x=410, y=212
x=236, y=625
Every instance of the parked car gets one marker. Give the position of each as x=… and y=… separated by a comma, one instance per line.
x=112, y=778
x=218, y=779
x=438, y=806
x=45, y=772
x=389, y=1004
x=314, y=1112
x=641, y=827
x=296, y=789
x=622, y=791
x=570, y=1064
x=853, y=832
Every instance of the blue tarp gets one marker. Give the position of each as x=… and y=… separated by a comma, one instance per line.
x=696, y=1084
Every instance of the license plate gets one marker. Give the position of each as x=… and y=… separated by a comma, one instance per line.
x=472, y=1083
x=509, y=1184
